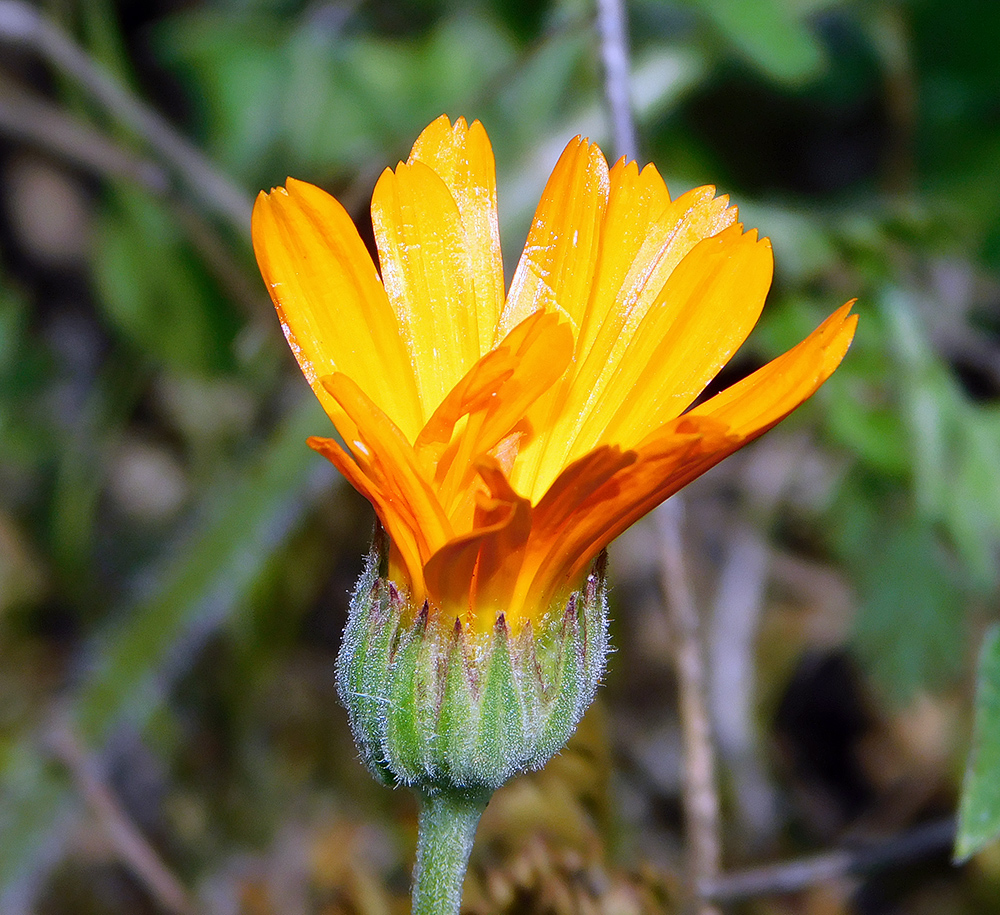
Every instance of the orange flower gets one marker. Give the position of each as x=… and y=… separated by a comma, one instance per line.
x=504, y=441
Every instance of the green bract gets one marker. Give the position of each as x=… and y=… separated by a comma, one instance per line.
x=437, y=708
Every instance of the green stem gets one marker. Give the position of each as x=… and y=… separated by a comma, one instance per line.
x=448, y=821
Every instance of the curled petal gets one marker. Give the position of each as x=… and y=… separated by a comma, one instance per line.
x=404, y=536
x=475, y=574
x=386, y=458
x=495, y=396
x=572, y=531
x=567, y=540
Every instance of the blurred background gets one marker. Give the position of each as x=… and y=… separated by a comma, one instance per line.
x=175, y=563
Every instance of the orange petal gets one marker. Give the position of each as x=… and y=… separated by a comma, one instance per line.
x=632, y=272
x=708, y=306
x=635, y=200
x=495, y=394
x=463, y=158
x=556, y=270
x=679, y=452
x=636, y=204
x=427, y=271
x=761, y=400
x=387, y=458
x=618, y=312
x=404, y=538
x=572, y=531
x=476, y=574
x=330, y=301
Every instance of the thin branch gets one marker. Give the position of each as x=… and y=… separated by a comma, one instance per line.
x=700, y=797
x=927, y=841
x=128, y=842
x=24, y=26
x=27, y=118
x=614, y=51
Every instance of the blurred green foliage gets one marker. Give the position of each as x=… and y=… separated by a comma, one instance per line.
x=979, y=821
x=157, y=503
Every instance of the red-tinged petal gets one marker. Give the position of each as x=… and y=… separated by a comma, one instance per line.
x=386, y=457
x=556, y=270
x=475, y=574
x=673, y=456
x=332, y=306
x=463, y=158
x=427, y=272
x=570, y=536
x=402, y=534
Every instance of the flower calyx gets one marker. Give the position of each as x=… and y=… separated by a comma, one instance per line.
x=438, y=708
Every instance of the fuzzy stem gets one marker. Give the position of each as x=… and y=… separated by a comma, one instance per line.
x=447, y=826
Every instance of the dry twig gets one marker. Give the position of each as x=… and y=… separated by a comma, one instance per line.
x=128, y=842
x=929, y=840
x=614, y=50
x=700, y=798
x=25, y=26
x=42, y=125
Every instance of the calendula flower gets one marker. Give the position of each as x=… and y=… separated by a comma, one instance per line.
x=505, y=440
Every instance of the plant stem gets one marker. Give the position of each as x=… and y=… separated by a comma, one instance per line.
x=447, y=826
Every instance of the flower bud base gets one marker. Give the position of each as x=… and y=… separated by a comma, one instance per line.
x=438, y=708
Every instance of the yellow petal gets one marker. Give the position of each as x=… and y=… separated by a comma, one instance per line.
x=331, y=304
x=704, y=312
x=636, y=204
x=463, y=158
x=494, y=395
x=763, y=399
x=619, y=310
x=556, y=270
x=644, y=237
x=427, y=272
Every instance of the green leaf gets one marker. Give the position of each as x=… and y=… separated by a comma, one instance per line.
x=979, y=811
x=910, y=627
x=156, y=292
x=770, y=35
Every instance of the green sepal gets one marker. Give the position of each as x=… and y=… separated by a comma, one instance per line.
x=453, y=753
x=565, y=699
x=406, y=732
x=363, y=664
x=501, y=739
x=438, y=708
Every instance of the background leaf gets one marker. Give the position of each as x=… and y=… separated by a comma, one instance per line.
x=979, y=813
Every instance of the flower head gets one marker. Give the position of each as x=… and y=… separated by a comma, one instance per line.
x=505, y=440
